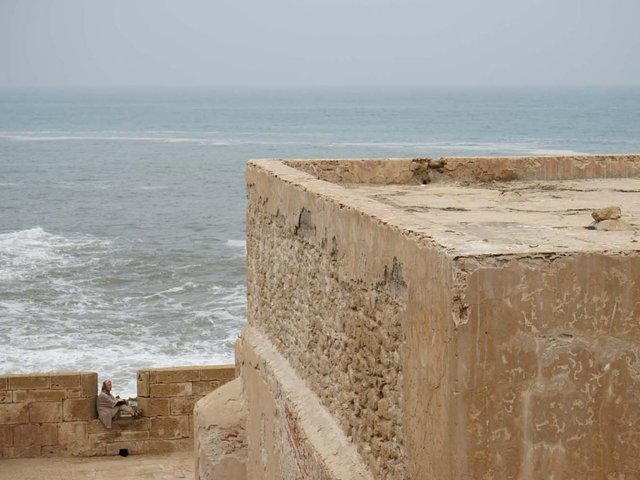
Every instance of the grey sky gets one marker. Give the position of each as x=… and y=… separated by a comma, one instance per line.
x=319, y=42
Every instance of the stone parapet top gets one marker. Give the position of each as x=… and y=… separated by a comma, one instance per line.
x=481, y=207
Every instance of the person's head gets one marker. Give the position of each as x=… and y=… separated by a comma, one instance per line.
x=106, y=386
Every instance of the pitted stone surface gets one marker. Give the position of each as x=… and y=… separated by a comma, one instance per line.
x=514, y=217
x=343, y=337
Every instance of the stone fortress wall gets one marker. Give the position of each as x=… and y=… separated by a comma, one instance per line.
x=54, y=414
x=449, y=318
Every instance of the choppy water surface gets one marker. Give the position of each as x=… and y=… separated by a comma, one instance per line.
x=122, y=211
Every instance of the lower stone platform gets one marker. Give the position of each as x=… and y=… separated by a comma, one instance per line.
x=172, y=466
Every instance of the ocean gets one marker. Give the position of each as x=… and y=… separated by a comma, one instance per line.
x=122, y=211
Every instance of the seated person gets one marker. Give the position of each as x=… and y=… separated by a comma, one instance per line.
x=110, y=408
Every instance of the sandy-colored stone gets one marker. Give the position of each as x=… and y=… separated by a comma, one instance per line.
x=79, y=409
x=3, y=383
x=20, y=396
x=220, y=434
x=174, y=375
x=23, y=451
x=454, y=316
x=184, y=405
x=45, y=412
x=133, y=447
x=51, y=451
x=6, y=396
x=89, y=384
x=218, y=372
x=37, y=434
x=65, y=381
x=289, y=433
x=167, y=446
x=205, y=387
x=173, y=427
x=72, y=432
x=155, y=407
x=13, y=413
x=122, y=424
x=612, y=225
x=143, y=383
x=171, y=466
x=28, y=382
x=6, y=436
x=170, y=389
x=608, y=213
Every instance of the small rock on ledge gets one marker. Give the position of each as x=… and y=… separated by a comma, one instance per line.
x=609, y=213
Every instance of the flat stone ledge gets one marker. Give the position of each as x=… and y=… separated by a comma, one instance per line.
x=175, y=465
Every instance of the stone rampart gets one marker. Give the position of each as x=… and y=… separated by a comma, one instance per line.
x=54, y=414
x=447, y=318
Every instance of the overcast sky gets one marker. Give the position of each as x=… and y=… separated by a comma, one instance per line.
x=319, y=42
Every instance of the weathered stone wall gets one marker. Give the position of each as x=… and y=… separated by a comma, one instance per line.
x=55, y=413
x=329, y=286
x=341, y=333
x=437, y=360
x=549, y=367
x=39, y=413
x=289, y=432
x=469, y=169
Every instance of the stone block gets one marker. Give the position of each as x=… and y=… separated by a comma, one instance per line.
x=7, y=452
x=206, y=387
x=39, y=434
x=26, y=451
x=170, y=427
x=51, y=451
x=218, y=372
x=108, y=436
x=6, y=436
x=220, y=443
x=167, y=446
x=183, y=405
x=43, y=412
x=38, y=396
x=122, y=424
x=135, y=447
x=174, y=375
x=156, y=407
x=84, y=449
x=111, y=436
x=28, y=382
x=72, y=433
x=3, y=383
x=89, y=384
x=79, y=409
x=143, y=383
x=73, y=392
x=6, y=396
x=136, y=435
x=12, y=413
x=170, y=389
x=60, y=381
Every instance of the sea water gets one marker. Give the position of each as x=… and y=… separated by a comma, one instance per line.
x=122, y=211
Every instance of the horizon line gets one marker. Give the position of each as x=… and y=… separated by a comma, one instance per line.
x=316, y=86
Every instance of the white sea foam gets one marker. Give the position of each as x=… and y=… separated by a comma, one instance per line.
x=493, y=147
x=237, y=243
x=75, y=136
x=178, y=289
x=67, y=303
x=214, y=139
